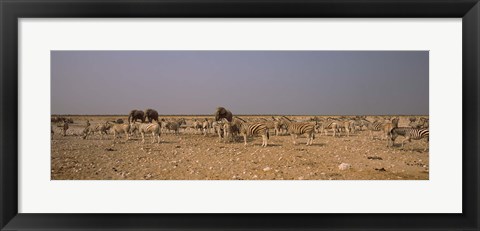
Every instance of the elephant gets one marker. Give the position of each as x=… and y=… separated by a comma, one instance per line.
x=136, y=115
x=150, y=114
x=223, y=113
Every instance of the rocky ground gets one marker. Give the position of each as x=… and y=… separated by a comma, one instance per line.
x=191, y=156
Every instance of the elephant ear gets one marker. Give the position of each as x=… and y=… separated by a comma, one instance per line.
x=220, y=111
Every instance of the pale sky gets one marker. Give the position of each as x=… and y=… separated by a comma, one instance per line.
x=245, y=82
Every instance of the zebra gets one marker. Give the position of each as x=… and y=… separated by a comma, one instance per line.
x=409, y=134
x=423, y=123
x=153, y=128
x=387, y=128
x=175, y=125
x=197, y=125
x=231, y=129
x=206, y=126
x=91, y=129
x=218, y=128
x=332, y=124
x=373, y=126
x=299, y=128
x=248, y=129
x=271, y=124
x=119, y=129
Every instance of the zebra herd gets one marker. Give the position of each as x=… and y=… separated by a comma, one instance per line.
x=229, y=127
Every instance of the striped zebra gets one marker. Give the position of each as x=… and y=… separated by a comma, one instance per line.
x=271, y=124
x=300, y=128
x=387, y=128
x=153, y=128
x=409, y=134
x=332, y=124
x=422, y=123
x=197, y=126
x=232, y=129
x=93, y=128
x=280, y=127
x=175, y=125
x=120, y=129
x=374, y=126
x=248, y=129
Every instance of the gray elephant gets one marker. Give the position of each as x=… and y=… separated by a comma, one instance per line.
x=150, y=114
x=136, y=115
x=221, y=113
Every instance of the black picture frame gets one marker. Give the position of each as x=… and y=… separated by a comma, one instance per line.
x=12, y=10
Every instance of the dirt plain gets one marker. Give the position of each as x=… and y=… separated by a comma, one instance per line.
x=193, y=156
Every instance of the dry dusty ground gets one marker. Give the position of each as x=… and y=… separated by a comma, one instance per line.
x=191, y=156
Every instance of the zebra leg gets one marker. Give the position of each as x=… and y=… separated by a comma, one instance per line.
x=219, y=133
x=245, y=139
x=153, y=137
x=143, y=138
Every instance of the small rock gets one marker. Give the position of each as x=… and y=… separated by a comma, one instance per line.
x=266, y=169
x=344, y=166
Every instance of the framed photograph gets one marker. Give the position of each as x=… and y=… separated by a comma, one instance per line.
x=239, y=115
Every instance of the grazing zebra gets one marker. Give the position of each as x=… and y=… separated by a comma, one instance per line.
x=332, y=124
x=175, y=125
x=153, y=128
x=409, y=134
x=248, y=129
x=231, y=129
x=357, y=124
x=299, y=128
x=91, y=129
x=279, y=127
x=423, y=123
x=119, y=129
x=271, y=124
x=347, y=125
x=373, y=126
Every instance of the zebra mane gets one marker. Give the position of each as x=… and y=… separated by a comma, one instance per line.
x=236, y=117
x=284, y=117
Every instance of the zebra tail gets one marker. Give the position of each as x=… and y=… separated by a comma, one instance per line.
x=268, y=135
